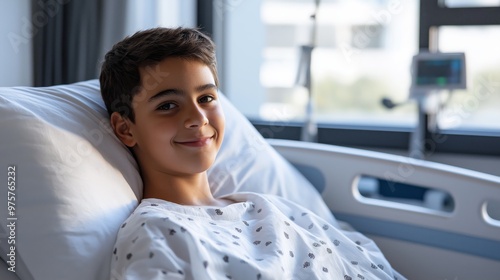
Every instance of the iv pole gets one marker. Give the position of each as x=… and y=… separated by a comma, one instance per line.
x=309, y=129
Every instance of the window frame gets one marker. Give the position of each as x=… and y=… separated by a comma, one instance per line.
x=432, y=15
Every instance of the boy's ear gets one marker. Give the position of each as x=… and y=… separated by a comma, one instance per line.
x=122, y=129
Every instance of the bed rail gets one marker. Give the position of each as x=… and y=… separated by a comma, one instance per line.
x=467, y=234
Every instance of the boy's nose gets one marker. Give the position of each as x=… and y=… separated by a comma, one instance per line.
x=196, y=117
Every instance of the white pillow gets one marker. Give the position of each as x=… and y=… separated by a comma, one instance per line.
x=75, y=183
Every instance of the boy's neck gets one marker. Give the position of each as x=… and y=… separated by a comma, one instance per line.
x=185, y=190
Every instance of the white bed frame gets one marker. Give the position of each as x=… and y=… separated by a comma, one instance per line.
x=420, y=243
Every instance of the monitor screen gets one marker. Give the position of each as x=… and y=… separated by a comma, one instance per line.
x=439, y=72
x=435, y=71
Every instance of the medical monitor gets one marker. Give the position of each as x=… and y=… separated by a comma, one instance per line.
x=438, y=71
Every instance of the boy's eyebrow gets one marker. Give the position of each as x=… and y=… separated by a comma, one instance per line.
x=174, y=91
x=206, y=87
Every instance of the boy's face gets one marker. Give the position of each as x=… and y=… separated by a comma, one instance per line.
x=179, y=123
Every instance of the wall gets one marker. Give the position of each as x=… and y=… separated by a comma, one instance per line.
x=243, y=31
x=15, y=43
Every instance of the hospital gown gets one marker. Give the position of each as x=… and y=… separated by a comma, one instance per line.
x=257, y=237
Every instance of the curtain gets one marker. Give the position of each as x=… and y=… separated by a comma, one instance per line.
x=68, y=37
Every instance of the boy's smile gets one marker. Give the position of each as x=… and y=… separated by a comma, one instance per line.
x=179, y=123
x=198, y=142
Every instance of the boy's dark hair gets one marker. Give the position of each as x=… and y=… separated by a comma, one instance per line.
x=120, y=78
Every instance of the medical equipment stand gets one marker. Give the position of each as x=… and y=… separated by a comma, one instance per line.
x=417, y=137
x=309, y=131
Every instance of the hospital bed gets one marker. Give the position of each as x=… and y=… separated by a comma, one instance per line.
x=76, y=184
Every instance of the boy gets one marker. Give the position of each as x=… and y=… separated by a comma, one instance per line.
x=160, y=88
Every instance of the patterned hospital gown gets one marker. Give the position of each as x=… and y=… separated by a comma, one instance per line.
x=258, y=237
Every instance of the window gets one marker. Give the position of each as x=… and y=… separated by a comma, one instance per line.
x=363, y=54
x=473, y=29
x=476, y=107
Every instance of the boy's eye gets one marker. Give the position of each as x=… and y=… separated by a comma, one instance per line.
x=167, y=106
x=206, y=99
